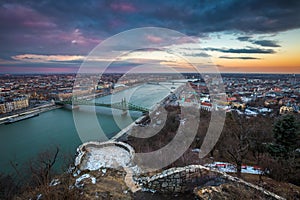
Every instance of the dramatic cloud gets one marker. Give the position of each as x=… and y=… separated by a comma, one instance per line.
x=104, y=18
x=201, y=54
x=244, y=38
x=240, y=58
x=246, y=50
x=47, y=58
x=266, y=43
x=15, y=16
x=38, y=58
x=73, y=27
x=192, y=17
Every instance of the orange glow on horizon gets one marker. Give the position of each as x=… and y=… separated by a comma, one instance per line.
x=270, y=63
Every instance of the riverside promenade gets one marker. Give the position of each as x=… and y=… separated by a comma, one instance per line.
x=36, y=110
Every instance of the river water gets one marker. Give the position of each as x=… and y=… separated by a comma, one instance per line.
x=24, y=140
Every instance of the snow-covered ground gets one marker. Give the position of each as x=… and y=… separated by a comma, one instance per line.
x=228, y=167
x=105, y=157
x=102, y=155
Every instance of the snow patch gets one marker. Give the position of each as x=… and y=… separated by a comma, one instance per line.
x=76, y=173
x=197, y=150
x=93, y=180
x=81, y=178
x=54, y=182
x=39, y=196
x=78, y=157
x=228, y=167
x=103, y=171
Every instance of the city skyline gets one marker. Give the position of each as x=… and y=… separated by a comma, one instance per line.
x=235, y=36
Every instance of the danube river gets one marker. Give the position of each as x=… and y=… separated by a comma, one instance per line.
x=24, y=140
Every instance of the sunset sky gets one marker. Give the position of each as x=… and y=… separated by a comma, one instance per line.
x=236, y=36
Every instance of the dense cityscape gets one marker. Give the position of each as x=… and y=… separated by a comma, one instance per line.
x=253, y=94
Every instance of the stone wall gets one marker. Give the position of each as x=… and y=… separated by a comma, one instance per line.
x=185, y=179
x=181, y=179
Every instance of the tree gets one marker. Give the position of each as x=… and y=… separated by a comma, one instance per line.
x=285, y=137
x=260, y=136
x=41, y=169
x=8, y=186
x=235, y=139
x=284, y=150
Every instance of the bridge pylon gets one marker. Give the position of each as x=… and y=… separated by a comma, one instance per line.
x=124, y=106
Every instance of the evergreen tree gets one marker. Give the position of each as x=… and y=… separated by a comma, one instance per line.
x=285, y=137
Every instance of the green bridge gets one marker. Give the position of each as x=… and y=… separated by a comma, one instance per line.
x=123, y=105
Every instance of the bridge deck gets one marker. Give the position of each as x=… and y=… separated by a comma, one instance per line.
x=123, y=105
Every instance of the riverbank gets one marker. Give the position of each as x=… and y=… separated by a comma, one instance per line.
x=35, y=110
x=154, y=111
x=50, y=106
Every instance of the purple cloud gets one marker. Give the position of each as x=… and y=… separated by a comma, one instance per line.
x=71, y=27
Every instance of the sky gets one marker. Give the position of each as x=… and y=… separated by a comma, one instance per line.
x=49, y=36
